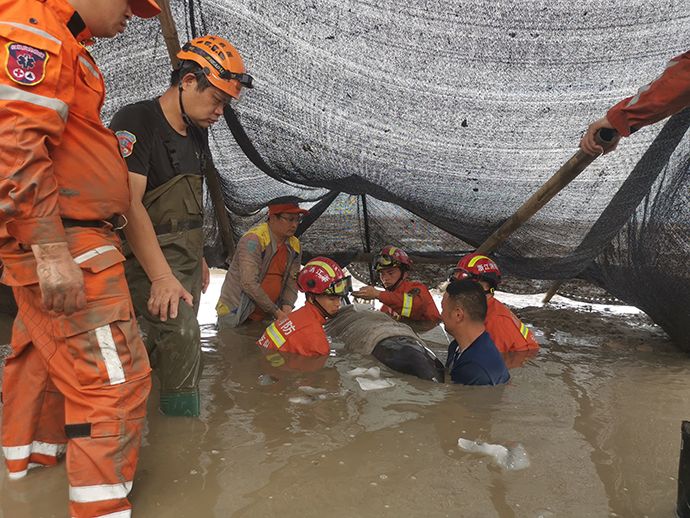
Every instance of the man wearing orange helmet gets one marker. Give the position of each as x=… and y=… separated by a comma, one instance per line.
x=165, y=144
x=402, y=297
x=325, y=285
x=78, y=375
x=507, y=331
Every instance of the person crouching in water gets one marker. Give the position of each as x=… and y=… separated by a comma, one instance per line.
x=507, y=331
x=325, y=286
x=402, y=297
x=472, y=356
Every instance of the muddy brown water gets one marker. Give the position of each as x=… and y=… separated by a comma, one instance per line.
x=598, y=411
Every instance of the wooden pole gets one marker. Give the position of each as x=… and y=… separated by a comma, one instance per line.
x=566, y=174
x=172, y=43
x=552, y=291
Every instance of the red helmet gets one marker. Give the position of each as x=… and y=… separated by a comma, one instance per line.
x=478, y=267
x=323, y=276
x=220, y=62
x=390, y=257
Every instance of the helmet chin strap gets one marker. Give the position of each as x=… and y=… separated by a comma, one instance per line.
x=322, y=310
x=397, y=283
x=194, y=130
x=185, y=117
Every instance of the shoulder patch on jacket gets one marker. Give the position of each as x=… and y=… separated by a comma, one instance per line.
x=252, y=245
x=25, y=65
x=126, y=139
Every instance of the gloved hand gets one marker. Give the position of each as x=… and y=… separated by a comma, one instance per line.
x=60, y=278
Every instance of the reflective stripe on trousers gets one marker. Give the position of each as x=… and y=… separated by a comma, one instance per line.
x=91, y=366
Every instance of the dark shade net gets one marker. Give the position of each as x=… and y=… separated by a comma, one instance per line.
x=449, y=115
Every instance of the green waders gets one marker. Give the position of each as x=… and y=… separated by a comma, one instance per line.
x=174, y=346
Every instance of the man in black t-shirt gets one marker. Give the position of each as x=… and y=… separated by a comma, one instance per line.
x=165, y=144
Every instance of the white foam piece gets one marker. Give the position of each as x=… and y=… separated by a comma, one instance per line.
x=371, y=372
x=311, y=390
x=370, y=384
x=301, y=400
x=511, y=459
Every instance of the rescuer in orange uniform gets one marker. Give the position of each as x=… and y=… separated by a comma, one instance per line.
x=506, y=330
x=402, y=297
x=667, y=94
x=78, y=375
x=325, y=285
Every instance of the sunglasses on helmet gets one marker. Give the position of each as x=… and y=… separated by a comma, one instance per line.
x=340, y=288
x=455, y=274
x=245, y=79
x=384, y=261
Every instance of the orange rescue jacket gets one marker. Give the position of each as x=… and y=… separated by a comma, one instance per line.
x=411, y=299
x=506, y=330
x=58, y=159
x=666, y=95
x=301, y=333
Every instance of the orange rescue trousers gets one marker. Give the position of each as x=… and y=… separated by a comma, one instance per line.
x=79, y=381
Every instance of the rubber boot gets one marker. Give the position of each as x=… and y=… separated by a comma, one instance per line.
x=186, y=404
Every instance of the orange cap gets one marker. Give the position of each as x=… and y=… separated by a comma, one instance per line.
x=285, y=208
x=144, y=8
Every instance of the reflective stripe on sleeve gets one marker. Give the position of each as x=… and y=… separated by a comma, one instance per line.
x=93, y=253
x=276, y=337
x=89, y=67
x=85, y=494
x=407, y=305
x=524, y=330
x=10, y=93
x=113, y=365
x=34, y=30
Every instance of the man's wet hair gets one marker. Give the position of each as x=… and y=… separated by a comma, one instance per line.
x=190, y=67
x=469, y=295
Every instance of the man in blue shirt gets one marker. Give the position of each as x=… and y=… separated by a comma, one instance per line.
x=472, y=356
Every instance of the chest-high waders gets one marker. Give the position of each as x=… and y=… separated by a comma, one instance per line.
x=176, y=211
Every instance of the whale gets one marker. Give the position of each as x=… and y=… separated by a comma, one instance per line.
x=360, y=328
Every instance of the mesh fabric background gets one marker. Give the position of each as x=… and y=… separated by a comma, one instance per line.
x=449, y=115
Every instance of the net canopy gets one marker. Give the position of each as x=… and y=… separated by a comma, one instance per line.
x=448, y=115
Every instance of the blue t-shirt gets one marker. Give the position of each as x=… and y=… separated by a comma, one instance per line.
x=479, y=364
